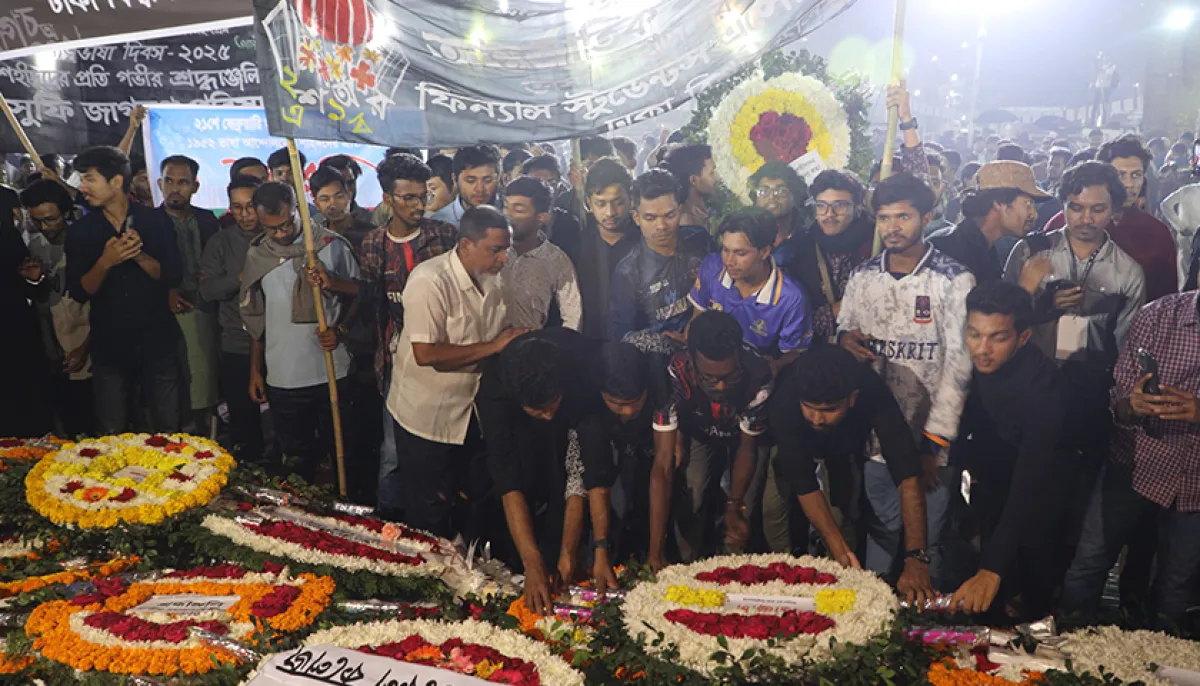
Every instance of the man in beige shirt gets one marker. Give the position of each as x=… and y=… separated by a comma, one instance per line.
x=453, y=319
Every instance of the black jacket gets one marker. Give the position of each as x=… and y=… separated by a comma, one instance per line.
x=966, y=244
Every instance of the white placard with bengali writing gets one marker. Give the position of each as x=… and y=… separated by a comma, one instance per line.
x=809, y=165
x=138, y=474
x=187, y=604
x=770, y=603
x=326, y=664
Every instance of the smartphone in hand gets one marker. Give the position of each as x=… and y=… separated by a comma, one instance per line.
x=1149, y=365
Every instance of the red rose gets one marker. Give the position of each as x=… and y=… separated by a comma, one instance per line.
x=125, y=495
x=71, y=487
x=179, y=476
x=156, y=441
x=272, y=568
x=203, y=455
x=781, y=137
x=89, y=452
x=11, y=443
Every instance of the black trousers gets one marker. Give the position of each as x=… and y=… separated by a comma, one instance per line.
x=116, y=390
x=245, y=415
x=303, y=426
x=74, y=406
x=445, y=485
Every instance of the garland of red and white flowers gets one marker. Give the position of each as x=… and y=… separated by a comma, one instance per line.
x=293, y=541
x=687, y=603
x=97, y=631
x=1129, y=654
x=468, y=647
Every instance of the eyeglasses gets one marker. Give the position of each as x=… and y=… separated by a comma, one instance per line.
x=707, y=381
x=287, y=226
x=46, y=220
x=411, y=200
x=839, y=207
x=778, y=192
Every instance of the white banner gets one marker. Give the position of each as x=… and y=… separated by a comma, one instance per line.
x=187, y=604
x=332, y=665
x=770, y=603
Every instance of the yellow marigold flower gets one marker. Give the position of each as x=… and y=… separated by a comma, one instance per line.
x=835, y=601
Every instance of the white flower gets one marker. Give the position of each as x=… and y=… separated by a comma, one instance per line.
x=720, y=125
x=293, y=551
x=552, y=670
x=646, y=604
x=1128, y=654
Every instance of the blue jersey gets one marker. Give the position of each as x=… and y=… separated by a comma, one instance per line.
x=775, y=320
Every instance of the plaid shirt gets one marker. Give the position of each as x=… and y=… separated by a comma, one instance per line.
x=1163, y=456
x=385, y=267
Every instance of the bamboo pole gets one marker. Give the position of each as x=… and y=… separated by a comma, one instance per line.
x=580, y=193
x=893, y=121
x=12, y=119
x=319, y=299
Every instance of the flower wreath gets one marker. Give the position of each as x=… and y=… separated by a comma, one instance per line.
x=131, y=478
x=468, y=647
x=27, y=449
x=31, y=584
x=14, y=664
x=780, y=119
x=734, y=597
x=948, y=672
x=310, y=545
x=99, y=632
x=1128, y=655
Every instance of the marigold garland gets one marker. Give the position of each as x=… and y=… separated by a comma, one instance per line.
x=36, y=583
x=90, y=484
x=946, y=674
x=55, y=625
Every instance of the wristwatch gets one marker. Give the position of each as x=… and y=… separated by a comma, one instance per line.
x=909, y=125
x=602, y=544
x=919, y=555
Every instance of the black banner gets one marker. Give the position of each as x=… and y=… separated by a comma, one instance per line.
x=30, y=25
x=68, y=100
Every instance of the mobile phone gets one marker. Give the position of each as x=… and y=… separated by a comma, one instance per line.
x=1196, y=158
x=1149, y=365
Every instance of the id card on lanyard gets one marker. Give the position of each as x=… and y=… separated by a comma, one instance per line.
x=1073, y=328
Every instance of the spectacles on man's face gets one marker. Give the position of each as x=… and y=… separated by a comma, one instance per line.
x=711, y=382
x=287, y=227
x=777, y=192
x=413, y=200
x=839, y=207
x=46, y=221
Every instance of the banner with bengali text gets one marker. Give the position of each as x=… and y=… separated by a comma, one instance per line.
x=71, y=99
x=27, y=26
x=217, y=136
x=430, y=73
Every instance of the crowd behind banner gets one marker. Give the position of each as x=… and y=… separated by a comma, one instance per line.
x=585, y=365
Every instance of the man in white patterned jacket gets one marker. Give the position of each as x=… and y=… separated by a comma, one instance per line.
x=905, y=312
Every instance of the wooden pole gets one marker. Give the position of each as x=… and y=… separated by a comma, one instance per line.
x=893, y=121
x=12, y=119
x=319, y=299
x=580, y=193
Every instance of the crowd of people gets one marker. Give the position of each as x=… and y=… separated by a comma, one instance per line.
x=977, y=380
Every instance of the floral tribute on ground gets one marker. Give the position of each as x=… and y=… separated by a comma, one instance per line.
x=469, y=647
x=804, y=604
x=127, y=479
x=118, y=628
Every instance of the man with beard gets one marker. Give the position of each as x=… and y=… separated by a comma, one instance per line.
x=197, y=319
x=278, y=309
x=608, y=237
x=477, y=176
x=64, y=321
x=538, y=280
x=1005, y=204
x=904, y=311
x=694, y=169
x=139, y=187
x=453, y=319
x=779, y=190
x=830, y=249
x=221, y=268
x=649, y=305
x=389, y=255
x=717, y=409
x=124, y=259
x=840, y=404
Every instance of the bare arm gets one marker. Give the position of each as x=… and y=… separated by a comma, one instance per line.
x=520, y=525
x=149, y=265
x=572, y=533
x=912, y=510
x=816, y=509
x=447, y=357
x=136, y=117
x=661, y=475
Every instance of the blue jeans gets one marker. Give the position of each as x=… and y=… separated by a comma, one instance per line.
x=390, y=501
x=1112, y=517
x=884, y=522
